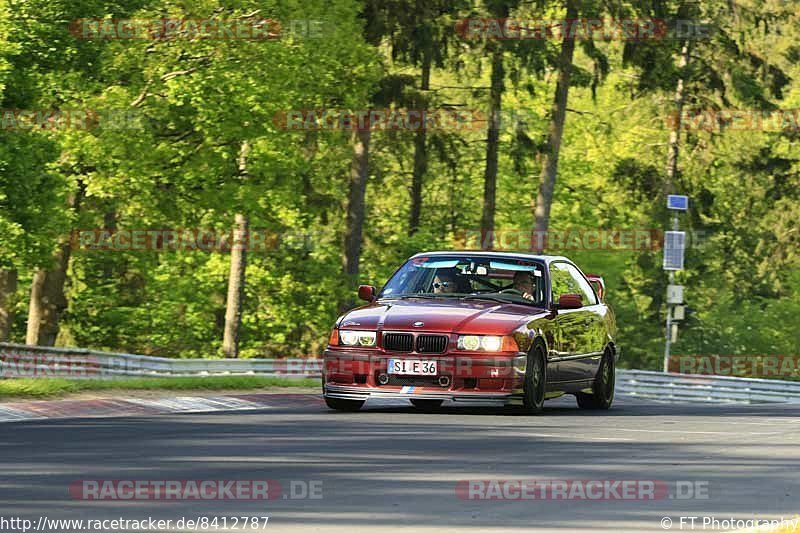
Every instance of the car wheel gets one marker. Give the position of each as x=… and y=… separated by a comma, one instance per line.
x=344, y=405
x=427, y=405
x=603, y=387
x=535, y=381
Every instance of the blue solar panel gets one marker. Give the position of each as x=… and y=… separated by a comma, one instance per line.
x=674, y=247
x=678, y=202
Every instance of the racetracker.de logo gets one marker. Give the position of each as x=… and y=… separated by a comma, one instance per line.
x=250, y=29
x=745, y=366
x=580, y=489
x=442, y=119
x=718, y=120
x=643, y=240
x=299, y=367
x=194, y=489
x=185, y=239
x=581, y=29
x=69, y=119
x=16, y=364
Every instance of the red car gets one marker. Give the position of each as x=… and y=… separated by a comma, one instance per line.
x=476, y=326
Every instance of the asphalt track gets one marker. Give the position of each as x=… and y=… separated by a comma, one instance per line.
x=391, y=468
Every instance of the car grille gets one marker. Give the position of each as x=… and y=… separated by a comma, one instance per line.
x=405, y=342
x=398, y=342
x=432, y=343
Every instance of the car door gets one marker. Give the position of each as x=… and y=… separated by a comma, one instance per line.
x=579, y=348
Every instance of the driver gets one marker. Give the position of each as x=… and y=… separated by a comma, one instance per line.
x=524, y=284
x=444, y=282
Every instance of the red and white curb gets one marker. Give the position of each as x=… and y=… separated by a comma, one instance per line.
x=101, y=408
x=111, y=407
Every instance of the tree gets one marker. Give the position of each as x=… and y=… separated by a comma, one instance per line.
x=421, y=33
x=555, y=130
x=492, y=144
x=390, y=91
x=524, y=56
x=714, y=66
x=42, y=63
x=357, y=186
x=236, y=278
x=47, y=299
x=326, y=207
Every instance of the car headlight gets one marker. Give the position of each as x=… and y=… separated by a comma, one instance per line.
x=469, y=342
x=357, y=338
x=488, y=343
x=491, y=343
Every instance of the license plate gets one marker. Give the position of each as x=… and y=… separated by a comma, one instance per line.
x=412, y=367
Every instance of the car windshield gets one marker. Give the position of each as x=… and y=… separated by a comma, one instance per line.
x=466, y=277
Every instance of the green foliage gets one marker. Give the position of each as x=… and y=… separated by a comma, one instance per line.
x=54, y=387
x=193, y=102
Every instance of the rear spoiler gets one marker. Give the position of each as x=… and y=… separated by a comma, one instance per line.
x=599, y=285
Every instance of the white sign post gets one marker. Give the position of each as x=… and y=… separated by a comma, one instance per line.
x=674, y=251
x=674, y=294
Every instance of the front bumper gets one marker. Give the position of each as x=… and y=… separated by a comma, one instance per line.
x=345, y=392
x=471, y=377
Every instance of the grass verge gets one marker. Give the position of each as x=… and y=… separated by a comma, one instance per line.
x=55, y=387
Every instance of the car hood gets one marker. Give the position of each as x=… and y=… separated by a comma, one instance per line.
x=441, y=316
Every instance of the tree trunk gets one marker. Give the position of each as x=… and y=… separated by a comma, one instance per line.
x=108, y=264
x=236, y=275
x=236, y=280
x=492, y=147
x=420, y=154
x=558, y=112
x=675, y=132
x=48, y=301
x=8, y=297
x=357, y=186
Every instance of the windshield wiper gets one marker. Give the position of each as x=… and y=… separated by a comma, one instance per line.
x=427, y=296
x=485, y=297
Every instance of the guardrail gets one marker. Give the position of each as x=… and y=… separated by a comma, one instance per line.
x=703, y=388
x=17, y=360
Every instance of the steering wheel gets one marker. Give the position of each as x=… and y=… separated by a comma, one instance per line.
x=511, y=290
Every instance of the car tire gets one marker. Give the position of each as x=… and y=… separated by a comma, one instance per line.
x=344, y=405
x=603, y=387
x=427, y=405
x=535, y=382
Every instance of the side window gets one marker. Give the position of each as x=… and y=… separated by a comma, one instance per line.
x=586, y=289
x=566, y=279
x=561, y=281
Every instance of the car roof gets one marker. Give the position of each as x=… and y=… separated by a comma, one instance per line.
x=508, y=255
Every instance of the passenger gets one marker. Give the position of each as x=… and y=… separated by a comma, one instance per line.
x=524, y=284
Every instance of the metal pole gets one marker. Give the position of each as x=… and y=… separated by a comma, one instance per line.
x=668, y=338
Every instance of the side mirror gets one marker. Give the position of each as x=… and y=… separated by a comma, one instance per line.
x=570, y=301
x=599, y=285
x=366, y=292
